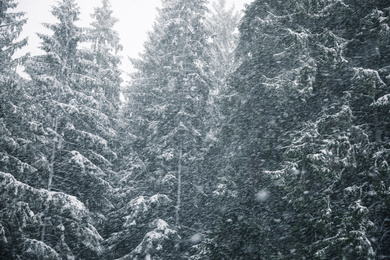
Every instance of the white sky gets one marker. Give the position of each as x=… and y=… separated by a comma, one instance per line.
x=136, y=18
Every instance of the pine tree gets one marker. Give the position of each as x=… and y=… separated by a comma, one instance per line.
x=24, y=196
x=339, y=173
x=182, y=92
x=168, y=99
x=78, y=155
x=76, y=114
x=12, y=93
x=103, y=59
x=16, y=129
x=303, y=120
x=101, y=63
x=178, y=99
x=222, y=25
x=11, y=27
x=222, y=22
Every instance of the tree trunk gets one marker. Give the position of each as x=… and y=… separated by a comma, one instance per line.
x=179, y=173
x=49, y=184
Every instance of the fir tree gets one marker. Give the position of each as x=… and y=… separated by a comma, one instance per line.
x=222, y=22
x=11, y=25
x=103, y=59
x=222, y=25
x=302, y=124
x=168, y=99
x=79, y=155
x=26, y=202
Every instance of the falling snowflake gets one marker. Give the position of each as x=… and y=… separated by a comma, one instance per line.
x=262, y=195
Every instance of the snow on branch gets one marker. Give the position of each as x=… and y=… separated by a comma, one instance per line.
x=368, y=75
x=35, y=249
x=87, y=167
x=153, y=241
x=329, y=9
x=383, y=101
x=142, y=204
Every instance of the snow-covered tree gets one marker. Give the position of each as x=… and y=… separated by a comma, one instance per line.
x=17, y=131
x=71, y=105
x=12, y=94
x=71, y=234
x=170, y=92
x=103, y=57
x=73, y=110
x=167, y=105
x=222, y=23
x=11, y=25
x=143, y=233
x=304, y=128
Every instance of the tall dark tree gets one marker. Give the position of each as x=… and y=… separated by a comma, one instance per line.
x=14, y=134
x=171, y=92
x=303, y=119
x=12, y=93
x=74, y=111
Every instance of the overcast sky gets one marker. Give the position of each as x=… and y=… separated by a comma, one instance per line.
x=136, y=18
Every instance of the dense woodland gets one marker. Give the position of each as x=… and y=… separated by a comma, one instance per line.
x=267, y=142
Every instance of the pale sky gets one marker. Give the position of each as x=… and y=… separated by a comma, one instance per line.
x=136, y=18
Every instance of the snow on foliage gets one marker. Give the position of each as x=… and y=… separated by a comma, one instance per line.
x=160, y=199
x=153, y=241
x=25, y=205
x=369, y=75
x=140, y=205
x=225, y=188
x=85, y=165
x=68, y=204
x=35, y=249
x=383, y=101
x=90, y=238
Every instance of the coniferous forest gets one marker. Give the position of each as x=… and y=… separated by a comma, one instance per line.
x=264, y=135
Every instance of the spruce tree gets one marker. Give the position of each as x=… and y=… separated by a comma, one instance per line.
x=178, y=86
x=26, y=202
x=75, y=112
x=168, y=99
x=103, y=57
x=79, y=154
x=11, y=25
x=222, y=23
x=304, y=114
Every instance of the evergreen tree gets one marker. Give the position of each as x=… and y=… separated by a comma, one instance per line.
x=178, y=87
x=24, y=204
x=222, y=25
x=73, y=111
x=78, y=154
x=303, y=119
x=11, y=25
x=168, y=99
x=12, y=135
x=222, y=22
x=12, y=94
x=101, y=63
x=103, y=58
